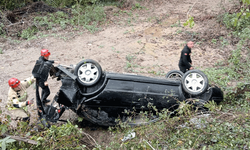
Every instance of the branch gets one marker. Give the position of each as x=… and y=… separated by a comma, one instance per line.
x=191, y=8
x=149, y=144
x=88, y=136
x=12, y=24
x=23, y=139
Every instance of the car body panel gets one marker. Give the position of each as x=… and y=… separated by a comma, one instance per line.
x=126, y=90
x=114, y=93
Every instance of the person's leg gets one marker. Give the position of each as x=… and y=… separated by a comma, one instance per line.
x=45, y=94
x=182, y=69
x=39, y=104
x=40, y=109
x=20, y=114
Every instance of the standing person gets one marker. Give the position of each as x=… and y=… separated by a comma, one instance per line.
x=185, y=62
x=17, y=98
x=41, y=72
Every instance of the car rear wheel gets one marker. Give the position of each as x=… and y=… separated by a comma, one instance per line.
x=88, y=72
x=194, y=82
x=174, y=74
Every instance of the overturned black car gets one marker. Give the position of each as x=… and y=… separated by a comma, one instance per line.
x=102, y=97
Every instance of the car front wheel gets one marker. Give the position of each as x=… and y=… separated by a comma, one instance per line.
x=174, y=74
x=88, y=72
x=194, y=82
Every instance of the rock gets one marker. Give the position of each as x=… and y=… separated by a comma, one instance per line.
x=111, y=9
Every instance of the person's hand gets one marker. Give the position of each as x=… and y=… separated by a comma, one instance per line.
x=56, y=62
x=191, y=68
x=46, y=83
x=31, y=101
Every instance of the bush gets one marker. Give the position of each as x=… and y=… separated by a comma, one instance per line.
x=29, y=32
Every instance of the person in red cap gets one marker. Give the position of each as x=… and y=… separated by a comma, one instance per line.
x=41, y=72
x=17, y=98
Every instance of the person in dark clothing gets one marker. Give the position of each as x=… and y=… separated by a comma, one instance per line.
x=41, y=72
x=185, y=62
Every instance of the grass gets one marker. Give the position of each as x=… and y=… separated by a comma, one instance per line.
x=88, y=17
x=222, y=129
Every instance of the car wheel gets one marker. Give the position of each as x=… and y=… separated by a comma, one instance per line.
x=174, y=74
x=194, y=82
x=88, y=72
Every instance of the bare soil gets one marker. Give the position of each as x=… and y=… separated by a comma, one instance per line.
x=148, y=42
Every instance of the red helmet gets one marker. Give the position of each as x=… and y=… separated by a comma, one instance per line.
x=45, y=52
x=14, y=82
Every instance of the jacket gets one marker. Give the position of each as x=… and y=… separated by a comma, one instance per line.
x=18, y=99
x=42, y=68
x=185, y=59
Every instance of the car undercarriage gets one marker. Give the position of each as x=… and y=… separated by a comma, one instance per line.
x=103, y=98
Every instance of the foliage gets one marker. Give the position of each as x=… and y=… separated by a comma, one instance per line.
x=29, y=32
x=212, y=106
x=11, y=4
x=69, y=3
x=187, y=131
x=2, y=31
x=137, y=6
x=130, y=63
x=81, y=15
x=189, y=22
x=5, y=141
x=68, y=135
x=232, y=75
x=88, y=17
x=240, y=21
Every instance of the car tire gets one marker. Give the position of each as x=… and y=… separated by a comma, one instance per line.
x=88, y=72
x=194, y=82
x=174, y=74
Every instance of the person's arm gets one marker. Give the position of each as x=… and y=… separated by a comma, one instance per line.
x=27, y=82
x=51, y=61
x=18, y=104
x=54, y=61
x=15, y=101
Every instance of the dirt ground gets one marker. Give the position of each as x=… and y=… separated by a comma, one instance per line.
x=147, y=43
